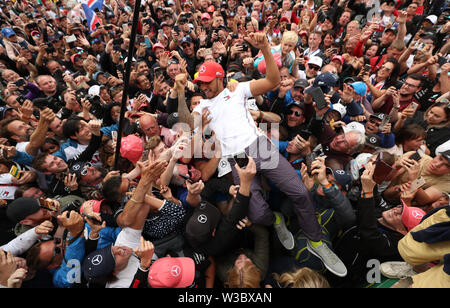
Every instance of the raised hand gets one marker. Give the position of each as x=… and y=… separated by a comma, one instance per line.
x=145, y=252
x=44, y=228
x=258, y=40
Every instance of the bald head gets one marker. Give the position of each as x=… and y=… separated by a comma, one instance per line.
x=149, y=125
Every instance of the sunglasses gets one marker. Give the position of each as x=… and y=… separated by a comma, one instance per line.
x=85, y=169
x=314, y=67
x=297, y=114
x=57, y=251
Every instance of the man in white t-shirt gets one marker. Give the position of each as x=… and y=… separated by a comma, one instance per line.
x=234, y=128
x=134, y=216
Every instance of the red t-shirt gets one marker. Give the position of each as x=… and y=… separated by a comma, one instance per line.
x=380, y=63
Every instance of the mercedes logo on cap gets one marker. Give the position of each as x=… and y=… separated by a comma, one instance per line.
x=175, y=271
x=202, y=218
x=97, y=260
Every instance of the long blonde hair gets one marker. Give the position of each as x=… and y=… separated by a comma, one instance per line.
x=302, y=278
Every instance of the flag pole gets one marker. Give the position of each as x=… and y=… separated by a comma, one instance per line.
x=127, y=79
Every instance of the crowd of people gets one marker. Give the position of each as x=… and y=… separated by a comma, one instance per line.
x=245, y=144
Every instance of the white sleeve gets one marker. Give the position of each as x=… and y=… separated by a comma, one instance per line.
x=198, y=108
x=244, y=89
x=21, y=243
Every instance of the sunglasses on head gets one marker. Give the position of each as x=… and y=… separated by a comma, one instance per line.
x=297, y=114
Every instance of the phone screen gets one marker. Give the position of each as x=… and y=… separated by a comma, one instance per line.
x=382, y=171
x=319, y=98
x=242, y=162
x=416, y=156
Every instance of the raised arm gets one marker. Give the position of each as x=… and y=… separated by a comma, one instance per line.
x=272, y=80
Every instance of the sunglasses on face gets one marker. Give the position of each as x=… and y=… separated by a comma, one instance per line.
x=296, y=113
x=56, y=250
x=86, y=169
x=314, y=67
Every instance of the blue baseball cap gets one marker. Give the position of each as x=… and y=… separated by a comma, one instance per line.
x=186, y=39
x=359, y=87
x=342, y=177
x=8, y=32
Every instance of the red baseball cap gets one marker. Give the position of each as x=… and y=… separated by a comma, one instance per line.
x=158, y=45
x=131, y=148
x=208, y=71
x=170, y=272
x=284, y=19
x=205, y=16
x=96, y=205
x=339, y=58
x=411, y=216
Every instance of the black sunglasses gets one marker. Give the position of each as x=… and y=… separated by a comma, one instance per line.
x=297, y=114
x=314, y=67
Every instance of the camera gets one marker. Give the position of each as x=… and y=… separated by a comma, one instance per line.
x=118, y=41
x=21, y=99
x=20, y=82
x=321, y=16
x=72, y=206
x=50, y=49
x=94, y=100
x=50, y=102
x=244, y=46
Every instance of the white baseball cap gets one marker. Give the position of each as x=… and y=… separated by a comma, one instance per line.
x=340, y=108
x=354, y=126
x=316, y=61
x=432, y=19
x=94, y=90
x=357, y=164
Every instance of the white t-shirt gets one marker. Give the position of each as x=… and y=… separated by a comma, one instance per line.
x=131, y=238
x=231, y=120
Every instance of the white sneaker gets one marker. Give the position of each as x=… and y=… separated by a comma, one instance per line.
x=329, y=259
x=396, y=270
x=284, y=235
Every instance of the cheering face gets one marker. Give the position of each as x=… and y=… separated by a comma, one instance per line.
x=409, y=87
x=211, y=89
x=121, y=254
x=20, y=130
x=53, y=164
x=393, y=217
x=372, y=126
